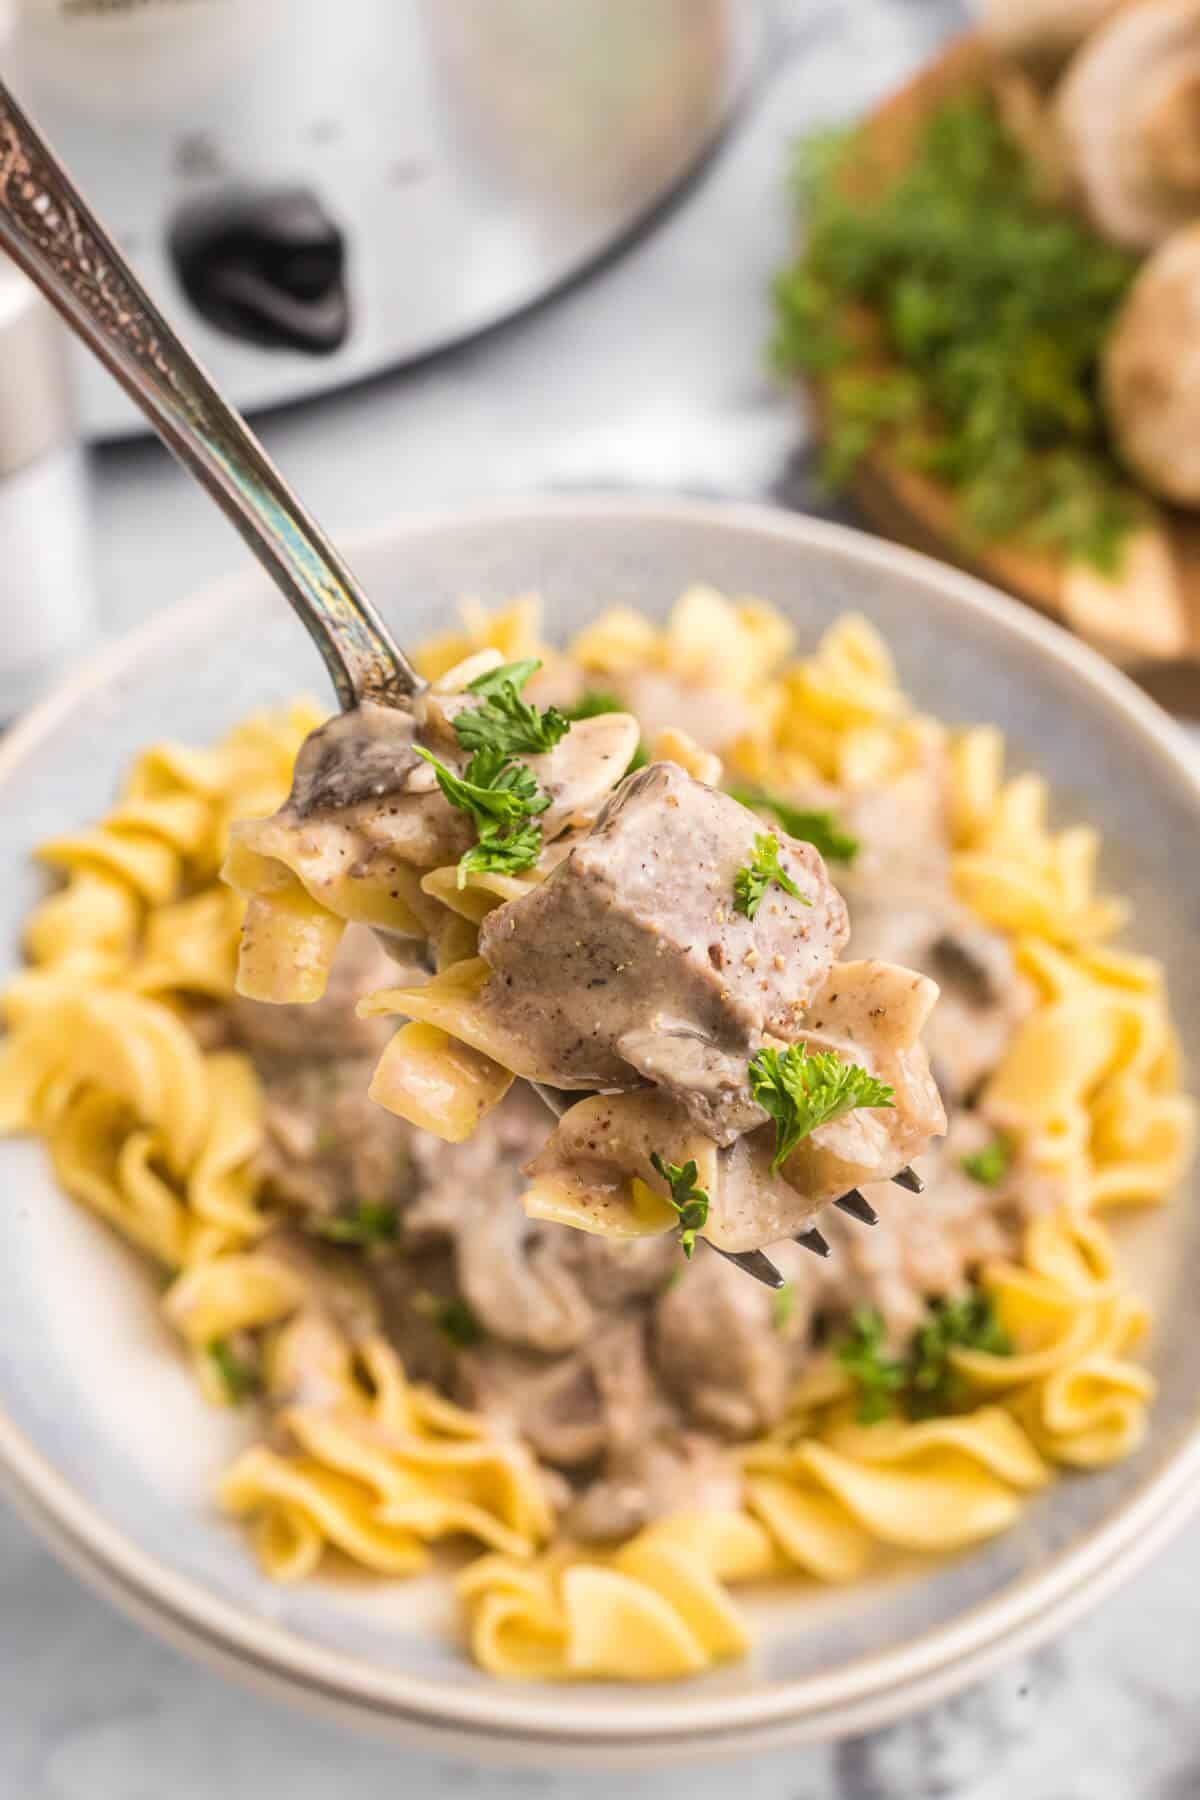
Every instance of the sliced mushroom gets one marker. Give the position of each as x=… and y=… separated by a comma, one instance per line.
x=555, y=1406
x=596, y=1402
x=714, y=1349
x=1151, y=371
x=516, y=1293
x=584, y=767
x=1128, y=113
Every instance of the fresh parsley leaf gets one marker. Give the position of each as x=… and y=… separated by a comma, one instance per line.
x=513, y=674
x=924, y=1384
x=481, y=791
x=639, y=759
x=502, y=798
x=501, y=853
x=991, y=1164
x=755, y=877
x=371, y=1222
x=802, y=1088
x=502, y=776
x=453, y=1318
x=690, y=1202
x=969, y=1322
x=783, y=1305
x=879, y=1379
x=239, y=1378
x=816, y=828
x=593, y=703
x=505, y=722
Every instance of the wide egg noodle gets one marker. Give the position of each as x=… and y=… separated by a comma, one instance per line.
x=438, y=1082
x=379, y=1469
x=141, y=1124
x=655, y=1609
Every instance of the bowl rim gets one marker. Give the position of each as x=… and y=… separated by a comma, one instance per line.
x=873, y=1690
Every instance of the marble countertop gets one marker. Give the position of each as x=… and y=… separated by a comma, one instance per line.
x=646, y=375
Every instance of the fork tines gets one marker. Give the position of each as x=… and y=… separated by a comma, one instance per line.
x=856, y=1206
x=752, y=1262
x=814, y=1241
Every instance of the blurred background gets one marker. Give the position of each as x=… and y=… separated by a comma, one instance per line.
x=444, y=249
x=440, y=178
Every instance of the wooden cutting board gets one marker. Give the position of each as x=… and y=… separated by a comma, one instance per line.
x=1136, y=629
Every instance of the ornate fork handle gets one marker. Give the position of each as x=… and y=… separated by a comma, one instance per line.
x=51, y=234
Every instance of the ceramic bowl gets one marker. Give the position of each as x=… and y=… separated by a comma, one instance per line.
x=105, y=1444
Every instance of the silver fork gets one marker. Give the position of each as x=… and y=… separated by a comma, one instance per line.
x=51, y=233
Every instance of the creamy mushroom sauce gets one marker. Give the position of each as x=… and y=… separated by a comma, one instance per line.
x=631, y=1371
x=364, y=803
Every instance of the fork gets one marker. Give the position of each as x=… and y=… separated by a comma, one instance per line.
x=51, y=233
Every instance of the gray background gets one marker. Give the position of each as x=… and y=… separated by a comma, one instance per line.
x=648, y=375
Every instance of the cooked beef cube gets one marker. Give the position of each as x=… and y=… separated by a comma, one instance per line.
x=636, y=931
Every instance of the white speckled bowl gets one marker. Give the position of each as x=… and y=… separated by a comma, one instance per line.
x=109, y=1451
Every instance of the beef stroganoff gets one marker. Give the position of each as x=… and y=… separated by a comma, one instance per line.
x=661, y=948
x=624, y=1424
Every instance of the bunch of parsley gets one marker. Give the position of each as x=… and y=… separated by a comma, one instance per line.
x=992, y=305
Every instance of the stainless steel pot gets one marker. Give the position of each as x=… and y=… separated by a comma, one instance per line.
x=321, y=190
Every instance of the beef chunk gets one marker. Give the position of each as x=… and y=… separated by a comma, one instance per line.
x=636, y=931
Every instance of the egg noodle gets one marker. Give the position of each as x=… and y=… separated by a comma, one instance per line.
x=161, y=1139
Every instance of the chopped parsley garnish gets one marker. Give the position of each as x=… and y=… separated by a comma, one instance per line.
x=877, y=1378
x=935, y=1386
x=923, y=1384
x=755, y=877
x=783, y=1305
x=500, y=795
x=689, y=1201
x=502, y=852
x=239, y=1378
x=504, y=722
x=991, y=1164
x=490, y=788
x=817, y=828
x=802, y=1088
x=974, y=351
x=371, y=1222
x=453, y=1318
x=503, y=799
x=513, y=674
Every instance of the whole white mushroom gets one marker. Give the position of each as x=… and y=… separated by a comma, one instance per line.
x=1151, y=371
x=1041, y=32
x=1138, y=609
x=1128, y=115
